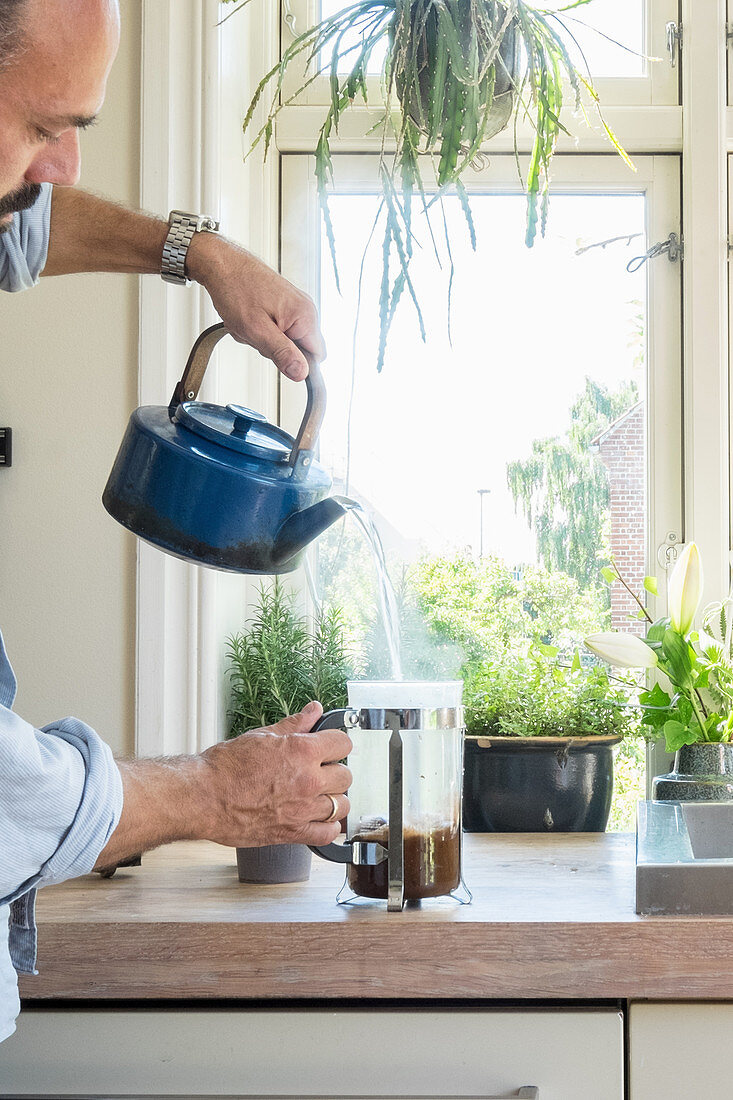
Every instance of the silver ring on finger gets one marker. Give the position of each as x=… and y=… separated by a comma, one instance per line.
x=333, y=816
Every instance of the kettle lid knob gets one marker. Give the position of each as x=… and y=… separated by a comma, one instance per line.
x=244, y=419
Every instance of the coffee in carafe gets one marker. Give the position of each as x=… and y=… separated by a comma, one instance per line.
x=432, y=862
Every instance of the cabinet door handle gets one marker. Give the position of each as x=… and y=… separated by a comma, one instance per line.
x=527, y=1092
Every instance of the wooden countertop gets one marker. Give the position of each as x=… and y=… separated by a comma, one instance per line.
x=552, y=917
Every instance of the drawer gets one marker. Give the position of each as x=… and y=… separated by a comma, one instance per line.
x=680, y=1051
x=567, y=1054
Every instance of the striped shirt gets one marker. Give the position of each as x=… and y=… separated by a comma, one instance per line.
x=60, y=789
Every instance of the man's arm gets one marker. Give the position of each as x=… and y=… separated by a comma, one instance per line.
x=258, y=306
x=268, y=786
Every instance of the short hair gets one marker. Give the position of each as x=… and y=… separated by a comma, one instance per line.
x=11, y=34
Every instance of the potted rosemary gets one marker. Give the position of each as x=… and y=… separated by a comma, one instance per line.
x=454, y=73
x=277, y=665
x=539, y=735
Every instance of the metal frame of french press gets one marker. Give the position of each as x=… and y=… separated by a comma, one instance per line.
x=371, y=853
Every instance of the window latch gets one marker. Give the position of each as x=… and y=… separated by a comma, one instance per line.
x=289, y=16
x=669, y=551
x=673, y=247
x=674, y=42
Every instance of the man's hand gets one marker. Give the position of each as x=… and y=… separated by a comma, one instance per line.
x=258, y=306
x=268, y=786
x=272, y=785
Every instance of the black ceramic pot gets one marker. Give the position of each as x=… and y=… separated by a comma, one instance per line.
x=537, y=784
x=701, y=773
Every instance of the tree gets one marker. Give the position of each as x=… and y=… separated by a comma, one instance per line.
x=490, y=609
x=562, y=486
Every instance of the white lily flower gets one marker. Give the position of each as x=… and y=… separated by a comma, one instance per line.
x=685, y=589
x=622, y=650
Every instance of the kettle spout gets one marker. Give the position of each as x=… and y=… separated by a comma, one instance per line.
x=302, y=527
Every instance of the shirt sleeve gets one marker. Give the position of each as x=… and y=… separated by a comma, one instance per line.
x=24, y=246
x=60, y=801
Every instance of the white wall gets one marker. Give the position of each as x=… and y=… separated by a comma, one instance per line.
x=69, y=353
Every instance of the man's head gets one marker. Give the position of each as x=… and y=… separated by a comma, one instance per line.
x=55, y=56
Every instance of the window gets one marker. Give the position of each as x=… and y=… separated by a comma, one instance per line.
x=681, y=184
x=451, y=446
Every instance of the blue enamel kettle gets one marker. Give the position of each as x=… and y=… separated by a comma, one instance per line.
x=222, y=486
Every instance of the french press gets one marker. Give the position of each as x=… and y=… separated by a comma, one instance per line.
x=403, y=832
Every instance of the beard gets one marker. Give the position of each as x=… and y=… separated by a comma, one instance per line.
x=21, y=199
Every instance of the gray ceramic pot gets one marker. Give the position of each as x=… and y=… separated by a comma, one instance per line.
x=273, y=863
x=701, y=773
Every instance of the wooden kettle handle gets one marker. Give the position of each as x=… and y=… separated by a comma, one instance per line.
x=190, y=384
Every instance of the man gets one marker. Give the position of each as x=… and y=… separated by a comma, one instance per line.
x=65, y=805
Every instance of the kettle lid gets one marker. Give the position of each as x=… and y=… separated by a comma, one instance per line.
x=237, y=428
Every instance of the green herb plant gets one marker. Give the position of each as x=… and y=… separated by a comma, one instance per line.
x=533, y=694
x=454, y=73
x=278, y=664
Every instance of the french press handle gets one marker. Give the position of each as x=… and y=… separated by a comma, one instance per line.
x=334, y=853
x=315, y=409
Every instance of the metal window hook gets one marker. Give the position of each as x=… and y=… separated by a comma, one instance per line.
x=673, y=247
x=289, y=16
x=674, y=41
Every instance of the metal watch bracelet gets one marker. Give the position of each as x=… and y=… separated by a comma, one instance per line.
x=182, y=228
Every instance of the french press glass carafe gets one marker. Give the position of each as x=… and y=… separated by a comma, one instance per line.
x=403, y=833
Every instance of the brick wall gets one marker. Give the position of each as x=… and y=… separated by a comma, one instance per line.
x=622, y=449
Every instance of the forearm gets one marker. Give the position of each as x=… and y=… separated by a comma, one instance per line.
x=164, y=800
x=92, y=234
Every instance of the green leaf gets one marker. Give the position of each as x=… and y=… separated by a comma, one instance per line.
x=677, y=655
x=676, y=735
x=684, y=709
x=656, y=705
x=650, y=583
x=715, y=728
x=656, y=697
x=657, y=630
x=465, y=207
x=702, y=679
x=608, y=574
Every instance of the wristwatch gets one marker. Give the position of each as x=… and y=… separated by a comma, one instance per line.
x=182, y=227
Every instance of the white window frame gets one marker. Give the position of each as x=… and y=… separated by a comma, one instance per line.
x=196, y=83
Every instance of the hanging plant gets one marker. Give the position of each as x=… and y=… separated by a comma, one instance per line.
x=455, y=73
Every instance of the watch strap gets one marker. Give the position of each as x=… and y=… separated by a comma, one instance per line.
x=182, y=227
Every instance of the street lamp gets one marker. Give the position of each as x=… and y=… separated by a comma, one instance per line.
x=481, y=494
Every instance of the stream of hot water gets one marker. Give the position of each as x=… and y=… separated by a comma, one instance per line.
x=387, y=597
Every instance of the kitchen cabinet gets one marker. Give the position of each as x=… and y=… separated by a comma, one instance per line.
x=567, y=1054
x=680, y=1051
